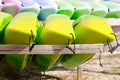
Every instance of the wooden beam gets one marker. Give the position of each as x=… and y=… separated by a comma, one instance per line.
x=79, y=73
x=50, y=49
x=61, y=49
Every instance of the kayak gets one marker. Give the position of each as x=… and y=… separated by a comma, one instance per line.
x=5, y=19
x=30, y=6
x=12, y=7
x=18, y=61
x=98, y=9
x=47, y=7
x=90, y=29
x=81, y=8
x=1, y=6
x=70, y=61
x=22, y=27
x=58, y=29
x=45, y=61
x=65, y=8
x=113, y=9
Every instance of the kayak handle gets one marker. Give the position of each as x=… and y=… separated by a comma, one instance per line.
x=31, y=41
x=73, y=50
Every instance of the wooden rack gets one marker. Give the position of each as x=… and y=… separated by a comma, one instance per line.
x=61, y=49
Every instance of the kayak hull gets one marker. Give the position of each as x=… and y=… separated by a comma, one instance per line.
x=91, y=29
x=47, y=7
x=58, y=29
x=22, y=27
x=80, y=8
x=4, y=21
x=98, y=9
x=65, y=8
x=30, y=6
x=45, y=62
x=113, y=9
x=70, y=61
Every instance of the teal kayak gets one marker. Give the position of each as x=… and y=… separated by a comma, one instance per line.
x=30, y=6
x=98, y=9
x=113, y=9
x=47, y=7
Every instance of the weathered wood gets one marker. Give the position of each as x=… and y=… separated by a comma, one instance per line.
x=50, y=49
x=79, y=73
x=61, y=49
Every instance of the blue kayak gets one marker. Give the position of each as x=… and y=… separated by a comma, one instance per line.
x=48, y=7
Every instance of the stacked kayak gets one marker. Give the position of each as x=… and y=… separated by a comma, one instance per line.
x=88, y=29
x=70, y=61
x=58, y=29
x=65, y=8
x=113, y=9
x=81, y=8
x=48, y=7
x=22, y=30
x=1, y=6
x=98, y=9
x=30, y=6
x=4, y=21
x=12, y=7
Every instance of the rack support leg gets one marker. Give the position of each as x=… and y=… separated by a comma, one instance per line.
x=79, y=73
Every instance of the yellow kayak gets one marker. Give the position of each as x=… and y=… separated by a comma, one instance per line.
x=90, y=29
x=19, y=31
x=57, y=30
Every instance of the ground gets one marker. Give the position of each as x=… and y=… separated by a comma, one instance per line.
x=91, y=70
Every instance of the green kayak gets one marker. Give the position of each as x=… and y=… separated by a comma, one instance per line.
x=65, y=8
x=70, y=61
x=5, y=19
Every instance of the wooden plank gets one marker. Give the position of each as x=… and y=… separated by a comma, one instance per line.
x=79, y=73
x=61, y=49
x=49, y=49
x=113, y=21
x=56, y=49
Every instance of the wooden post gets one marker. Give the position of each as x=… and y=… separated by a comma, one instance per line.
x=79, y=73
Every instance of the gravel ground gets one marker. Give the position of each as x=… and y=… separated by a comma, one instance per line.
x=91, y=71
